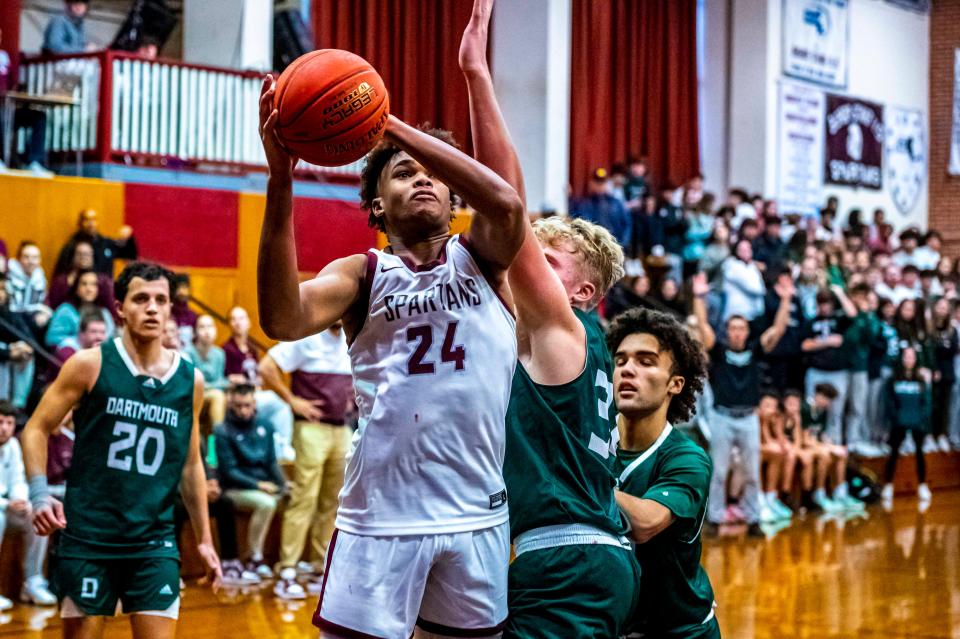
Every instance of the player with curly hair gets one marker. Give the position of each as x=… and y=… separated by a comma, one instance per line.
x=664, y=476
x=574, y=576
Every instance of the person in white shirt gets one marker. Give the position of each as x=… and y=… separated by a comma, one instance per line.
x=15, y=511
x=909, y=248
x=894, y=288
x=927, y=257
x=321, y=396
x=743, y=284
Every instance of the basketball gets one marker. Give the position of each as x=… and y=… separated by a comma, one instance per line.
x=333, y=107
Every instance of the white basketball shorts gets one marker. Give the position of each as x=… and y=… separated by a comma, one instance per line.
x=449, y=584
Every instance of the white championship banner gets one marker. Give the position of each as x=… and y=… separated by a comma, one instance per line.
x=800, y=135
x=815, y=40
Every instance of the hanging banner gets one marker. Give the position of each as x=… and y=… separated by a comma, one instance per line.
x=906, y=161
x=815, y=40
x=854, y=142
x=800, y=132
x=955, y=137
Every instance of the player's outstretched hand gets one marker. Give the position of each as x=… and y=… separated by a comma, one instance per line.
x=279, y=161
x=211, y=565
x=48, y=518
x=473, y=46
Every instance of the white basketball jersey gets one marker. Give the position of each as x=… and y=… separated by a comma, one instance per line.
x=432, y=367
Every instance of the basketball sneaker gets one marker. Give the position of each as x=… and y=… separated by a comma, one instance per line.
x=35, y=591
x=943, y=443
x=782, y=510
x=887, y=493
x=287, y=586
x=234, y=574
x=5, y=604
x=315, y=584
x=767, y=514
x=260, y=568
x=923, y=493
x=825, y=503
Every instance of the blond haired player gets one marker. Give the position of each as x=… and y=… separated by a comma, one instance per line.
x=574, y=574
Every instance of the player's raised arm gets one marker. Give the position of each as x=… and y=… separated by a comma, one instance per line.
x=193, y=489
x=538, y=292
x=290, y=310
x=76, y=378
x=494, y=200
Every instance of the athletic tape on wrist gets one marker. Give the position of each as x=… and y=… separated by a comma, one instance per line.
x=39, y=491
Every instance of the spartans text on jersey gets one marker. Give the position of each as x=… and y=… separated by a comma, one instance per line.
x=441, y=297
x=132, y=409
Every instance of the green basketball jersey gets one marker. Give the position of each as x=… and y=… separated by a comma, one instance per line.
x=676, y=599
x=132, y=437
x=559, y=457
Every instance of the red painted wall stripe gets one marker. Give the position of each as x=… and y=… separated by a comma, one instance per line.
x=327, y=230
x=184, y=226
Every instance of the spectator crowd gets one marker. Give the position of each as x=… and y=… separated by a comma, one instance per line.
x=268, y=445
x=827, y=342
x=829, y=336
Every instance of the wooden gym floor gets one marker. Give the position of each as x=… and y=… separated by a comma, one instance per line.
x=885, y=576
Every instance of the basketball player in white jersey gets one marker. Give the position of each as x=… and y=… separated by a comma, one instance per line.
x=422, y=535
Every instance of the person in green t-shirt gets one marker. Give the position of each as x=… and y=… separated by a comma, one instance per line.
x=135, y=407
x=664, y=476
x=575, y=575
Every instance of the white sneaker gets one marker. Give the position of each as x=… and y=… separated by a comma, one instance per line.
x=315, y=585
x=908, y=447
x=781, y=508
x=35, y=591
x=261, y=568
x=923, y=493
x=929, y=445
x=234, y=574
x=39, y=170
x=3, y=166
x=5, y=604
x=848, y=502
x=287, y=586
x=305, y=568
x=826, y=504
x=887, y=493
x=767, y=515
x=943, y=444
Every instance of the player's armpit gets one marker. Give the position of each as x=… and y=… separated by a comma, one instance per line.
x=327, y=297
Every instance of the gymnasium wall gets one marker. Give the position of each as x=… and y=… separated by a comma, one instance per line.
x=888, y=60
x=211, y=234
x=944, y=188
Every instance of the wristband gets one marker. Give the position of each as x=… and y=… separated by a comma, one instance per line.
x=39, y=492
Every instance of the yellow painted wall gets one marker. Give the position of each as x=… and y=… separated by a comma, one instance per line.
x=46, y=210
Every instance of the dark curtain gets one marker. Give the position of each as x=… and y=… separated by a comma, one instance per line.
x=10, y=25
x=414, y=46
x=634, y=87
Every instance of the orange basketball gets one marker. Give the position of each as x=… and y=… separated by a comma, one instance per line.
x=332, y=107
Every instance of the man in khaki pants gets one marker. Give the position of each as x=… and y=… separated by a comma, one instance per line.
x=319, y=394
